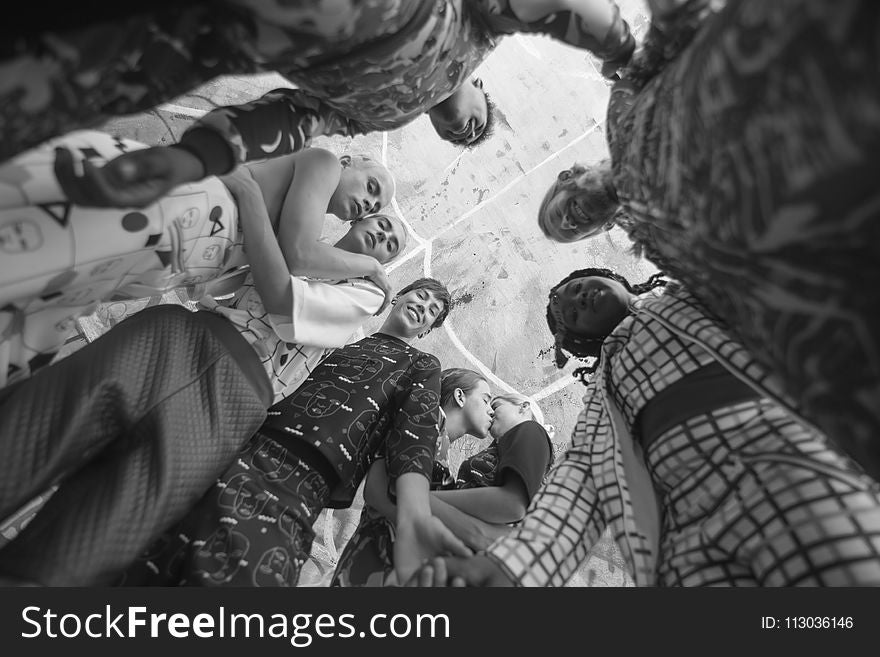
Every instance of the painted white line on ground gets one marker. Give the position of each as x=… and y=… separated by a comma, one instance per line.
x=181, y=109
x=426, y=246
x=516, y=180
x=555, y=387
x=397, y=210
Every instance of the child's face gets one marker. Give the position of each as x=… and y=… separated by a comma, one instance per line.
x=462, y=117
x=478, y=411
x=507, y=416
x=591, y=306
x=567, y=215
x=364, y=187
x=376, y=236
x=416, y=311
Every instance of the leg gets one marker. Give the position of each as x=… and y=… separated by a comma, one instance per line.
x=135, y=427
x=368, y=556
x=253, y=528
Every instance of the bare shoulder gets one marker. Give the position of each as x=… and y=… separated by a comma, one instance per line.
x=319, y=159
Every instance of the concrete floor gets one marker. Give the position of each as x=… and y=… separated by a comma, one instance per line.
x=472, y=219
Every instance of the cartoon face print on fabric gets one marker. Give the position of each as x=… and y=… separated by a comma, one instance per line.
x=426, y=401
x=273, y=461
x=295, y=532
x=362, y=425
x=243, y=497
x=357, y=369
x=219, y=558
x=384, y=348
x=320, y=399
x=398, y=380
x=276, y=568
x=20, y=237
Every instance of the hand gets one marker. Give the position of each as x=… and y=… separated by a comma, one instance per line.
x=134, y=179
x=241, y=184
x=434, y=574
x=420, y=539
x=380, y=278
x=456, y=572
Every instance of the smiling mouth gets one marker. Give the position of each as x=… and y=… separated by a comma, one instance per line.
x=579, y=214
x=414, y=314
x=372, y=240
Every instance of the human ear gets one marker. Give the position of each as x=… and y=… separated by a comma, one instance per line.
x=459, y=396
x=478, y=83
x=345, y=161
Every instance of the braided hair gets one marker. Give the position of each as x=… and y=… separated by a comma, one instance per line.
x=581, y=346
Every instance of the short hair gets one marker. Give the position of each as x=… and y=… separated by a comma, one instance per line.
x=516, y=400
x=489, y=128
x=457, y=378
x=598, y=192
x=581, y=346
x=402, y=232
x=440, y=290
x=371, y=161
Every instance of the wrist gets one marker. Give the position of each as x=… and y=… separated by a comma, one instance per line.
x=186, y=166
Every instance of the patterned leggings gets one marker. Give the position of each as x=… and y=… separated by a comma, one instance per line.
x=253, y=528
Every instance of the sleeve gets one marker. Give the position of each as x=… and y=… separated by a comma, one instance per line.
x=326, y=314
x=565, y=26
x=411, y=443
x=526, y=452
x=564, y=521
x=281, y=122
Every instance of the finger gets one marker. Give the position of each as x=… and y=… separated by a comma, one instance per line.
x=426, y=576
x=66, y=176
x=454, y=545
x=458, y=582
x=440, y=572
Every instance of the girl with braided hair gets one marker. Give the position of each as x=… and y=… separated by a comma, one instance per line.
x=586, y=345
x=690, y=452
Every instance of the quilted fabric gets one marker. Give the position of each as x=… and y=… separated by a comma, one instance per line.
x=134, y=427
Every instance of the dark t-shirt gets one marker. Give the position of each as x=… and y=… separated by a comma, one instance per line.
x=378, y=397
x=524, y=450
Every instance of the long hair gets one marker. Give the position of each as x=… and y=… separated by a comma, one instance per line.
x=455, y=378
x=595, y=187
x=581, y=346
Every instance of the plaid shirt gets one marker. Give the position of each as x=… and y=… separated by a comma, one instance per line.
x=666, y=338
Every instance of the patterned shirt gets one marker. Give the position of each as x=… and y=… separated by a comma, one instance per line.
x=744, y=149
x=361, y=65
x=378, y=397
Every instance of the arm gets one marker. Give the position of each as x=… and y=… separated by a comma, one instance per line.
x=410, y=446
x=524, y=453
x=281, y=122
x=267, y=263
x=594, y=25
x=564, y=521
x=419, y=534
x=495, y=504
x=302, y=220
x=475, y=533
